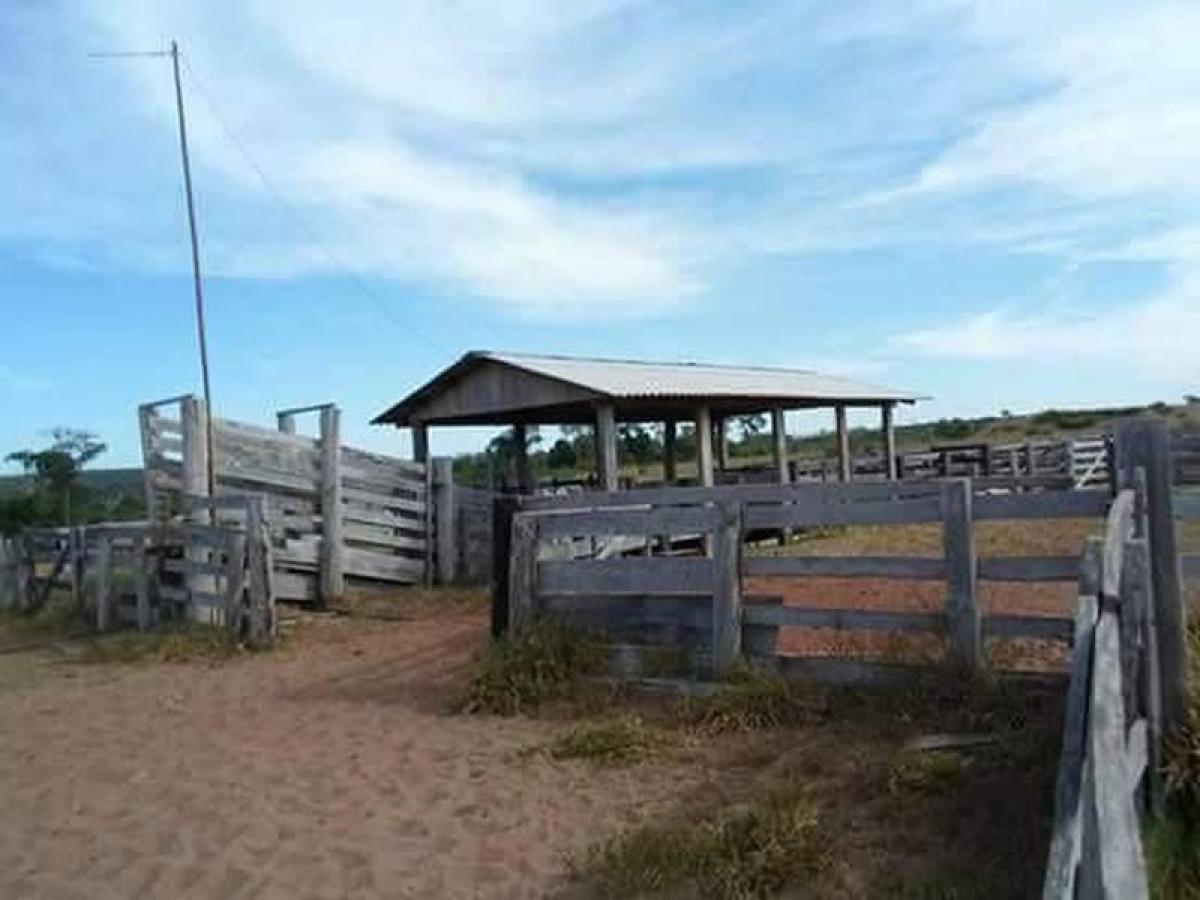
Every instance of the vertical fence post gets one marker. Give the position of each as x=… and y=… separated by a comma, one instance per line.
x=1145, y=443
x=727, y=593
x=193, y=420
x=332, y=575
x=504, y=508
x=141, y=578
x=146, y=418
x=522, y=576
x=7, y=574
x=444, y=514
x=103, y=583
x=261, y=622
x=235, y=582
x=962, y=602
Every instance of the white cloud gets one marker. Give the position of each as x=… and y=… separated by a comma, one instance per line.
x=1156, y=336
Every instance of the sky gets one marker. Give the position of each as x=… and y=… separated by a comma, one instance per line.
x=993, y=203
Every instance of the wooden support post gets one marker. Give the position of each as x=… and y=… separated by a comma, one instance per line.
x=721, y=436
x=261, y=614
x=235, y=585
x=670, y=452
x=77, y=539
x=504, y=507
x=887, y=414
x=1031, y=466
x=103, y=583
x=420, y=442
x=526, y=483
x=193, y=420
x=332, y=575
x=444, y=519
x=704, y=447
x=286, y=422
x=8, y=571
x=149, y=460
x=141, y=580
x=845, y=463
x=727, y=594
x=779, y=445
x=962, y=602
x=1145, y=443
x=606, y=447
x=522, y=575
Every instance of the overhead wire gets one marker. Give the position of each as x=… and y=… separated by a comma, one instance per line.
x=305, y=226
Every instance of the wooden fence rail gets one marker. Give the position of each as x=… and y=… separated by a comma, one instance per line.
x=143, y=574
x=653, y=597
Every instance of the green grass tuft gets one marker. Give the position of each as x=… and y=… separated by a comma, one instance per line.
x=754, y=699
x=747, y=851
x=623, y=739
x=181, y=644
x=548, y=661
x=927, y=772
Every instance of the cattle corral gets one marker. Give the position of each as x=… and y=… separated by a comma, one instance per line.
x=882, y=584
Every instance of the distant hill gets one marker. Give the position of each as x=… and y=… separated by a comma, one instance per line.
x=102, y=481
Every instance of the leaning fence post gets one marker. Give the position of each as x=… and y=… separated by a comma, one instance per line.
x=727, y=593
x=443, y=519
x=141, y=577
x=1146, y=443
x=333, y=579
x=522, y=575
x=962, y=602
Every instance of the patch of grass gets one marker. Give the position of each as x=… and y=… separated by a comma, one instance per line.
x=623, y=739
x=746, y=851
x=182, y=644
x=756, y=698
x=1173, y=842
x=666, y=661
x=60, y=617
x=928, y=772
x=548, y=661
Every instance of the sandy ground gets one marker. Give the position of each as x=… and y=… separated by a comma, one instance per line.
x=333, y=771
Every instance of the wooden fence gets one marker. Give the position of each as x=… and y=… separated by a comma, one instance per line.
x=1113, y=726
x=381, y=533
x=696, y=604
x=143, y=574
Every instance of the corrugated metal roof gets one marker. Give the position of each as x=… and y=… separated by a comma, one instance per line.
x=629, y=378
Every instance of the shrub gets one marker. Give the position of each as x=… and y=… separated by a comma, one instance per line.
x=756, y=698
x=620, y=740
x=548, y=661
x=180, y=644
x=746, y=851
x=935, y=772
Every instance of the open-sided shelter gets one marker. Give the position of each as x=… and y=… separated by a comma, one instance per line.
x=520, y=390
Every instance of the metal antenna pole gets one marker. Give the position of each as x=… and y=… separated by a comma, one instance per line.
x=199, y=291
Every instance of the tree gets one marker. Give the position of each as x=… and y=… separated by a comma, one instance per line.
x=55, y=470
x=561, y=455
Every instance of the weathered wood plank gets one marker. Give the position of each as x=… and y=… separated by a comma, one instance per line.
x=842, y=619
x=1121, y=862
x=383, y=567
x=524, y=574
x=333, y=575
x=868, y=512
x=1045, y=505
x=1054, y=628
x=1065, y=841
x=1029, y=568
x=962, y=602
x=845, y=672
x=386, y=501
x=907, y=567
x=1186, y=505
x=633, y=575
x=606, y=521
x=727, y=588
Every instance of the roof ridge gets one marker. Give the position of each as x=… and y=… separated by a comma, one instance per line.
x=563, y=357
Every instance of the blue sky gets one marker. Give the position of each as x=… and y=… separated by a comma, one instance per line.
x=995, y=203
